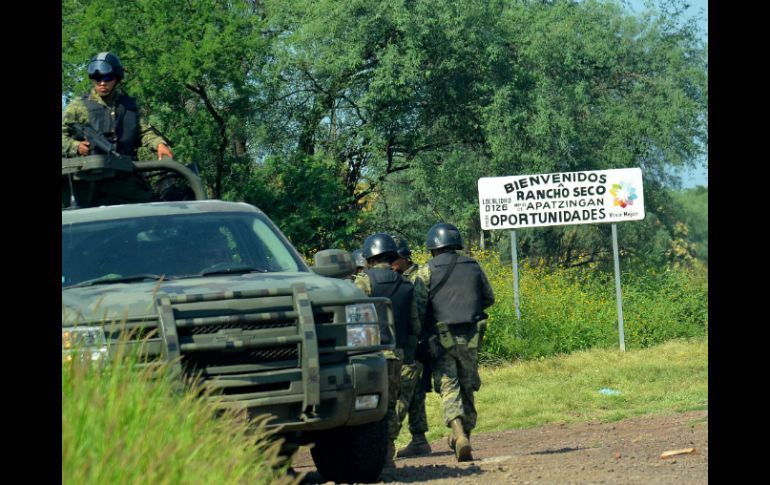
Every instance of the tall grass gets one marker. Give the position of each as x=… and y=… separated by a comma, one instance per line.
x=122, y=424
x=671, y=377
x=566, y=310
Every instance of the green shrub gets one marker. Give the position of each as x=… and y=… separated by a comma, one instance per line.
x=565, y=310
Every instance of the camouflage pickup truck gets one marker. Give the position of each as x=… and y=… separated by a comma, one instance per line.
x=216, y=289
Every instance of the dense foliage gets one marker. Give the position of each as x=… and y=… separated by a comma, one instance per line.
x=564, y=310
x=341, y=118
x=694, y=232
x=126, y=423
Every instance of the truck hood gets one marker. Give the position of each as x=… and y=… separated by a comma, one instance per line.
x=118, y=301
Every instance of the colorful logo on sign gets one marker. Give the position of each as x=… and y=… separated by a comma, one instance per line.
x=624, y=194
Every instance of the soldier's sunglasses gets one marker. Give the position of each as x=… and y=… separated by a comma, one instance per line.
x=99, y=78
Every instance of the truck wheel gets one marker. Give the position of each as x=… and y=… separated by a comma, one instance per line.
x=354, y=454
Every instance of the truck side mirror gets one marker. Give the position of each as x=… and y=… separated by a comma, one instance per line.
x=334, y=263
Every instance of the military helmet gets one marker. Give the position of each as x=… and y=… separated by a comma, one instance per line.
x=358, y=257
x=379, y=243
x=403, y=247
x=105, y=63
x=443, y=235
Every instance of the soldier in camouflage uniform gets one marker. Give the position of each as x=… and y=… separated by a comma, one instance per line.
x=458, y=292
x=117, y=116
x=413, y=376
x=379, y=279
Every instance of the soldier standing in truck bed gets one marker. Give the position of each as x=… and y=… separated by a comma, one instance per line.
x=118, y=117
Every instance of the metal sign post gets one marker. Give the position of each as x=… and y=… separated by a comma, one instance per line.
x=617, y=287
x=515, y=260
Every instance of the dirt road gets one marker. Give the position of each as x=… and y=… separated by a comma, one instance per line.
x=623, y=452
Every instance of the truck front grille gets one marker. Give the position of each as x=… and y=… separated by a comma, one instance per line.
x=217, y=362
x=209, y=329
x=258, y=348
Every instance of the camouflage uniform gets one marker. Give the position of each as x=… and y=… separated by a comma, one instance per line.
x=455, y=372
x=77, y=112
x=412, y=400
x=131, y=187
x=395, y=358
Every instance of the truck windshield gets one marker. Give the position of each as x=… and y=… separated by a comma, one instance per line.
x=174, y=246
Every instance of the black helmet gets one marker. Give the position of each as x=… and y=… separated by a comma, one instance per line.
x=105, y=63
x=444, y=235
x=377, y=244
x=403, y=247
x=358, y=257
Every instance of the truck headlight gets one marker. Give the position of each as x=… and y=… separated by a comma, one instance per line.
x=363, y=335
x=83, y=342
x=363, y=328
x=361, y=313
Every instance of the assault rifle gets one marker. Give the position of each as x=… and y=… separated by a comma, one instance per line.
x=96, y=139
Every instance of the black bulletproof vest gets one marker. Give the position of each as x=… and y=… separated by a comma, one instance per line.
x=459, y=299
x=124, y=130
x=392, y=285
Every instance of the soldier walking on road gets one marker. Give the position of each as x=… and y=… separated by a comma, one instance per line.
x=414, y=377
x=379, y=279
x=458, y=293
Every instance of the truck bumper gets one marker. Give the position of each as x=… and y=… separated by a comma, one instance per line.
x=340, y=385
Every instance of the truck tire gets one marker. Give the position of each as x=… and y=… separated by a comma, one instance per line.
x=354, y=454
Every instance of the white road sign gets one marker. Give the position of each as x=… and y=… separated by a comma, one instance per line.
x=565, y=198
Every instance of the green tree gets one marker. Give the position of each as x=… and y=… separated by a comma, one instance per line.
x=303, y=195
x=372, y=115
x=194, y=65
x=571, y=86
x=695, y=218
x=385, y=88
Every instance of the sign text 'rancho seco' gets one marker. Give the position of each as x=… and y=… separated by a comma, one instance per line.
x=561, y=198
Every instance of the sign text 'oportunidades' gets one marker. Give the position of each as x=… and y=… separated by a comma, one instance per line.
x=554, y=199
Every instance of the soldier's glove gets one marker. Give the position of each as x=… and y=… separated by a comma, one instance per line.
x=410, y=348
x=434, y=347
x=445, y=337
x=422, y=354
x=477, y=340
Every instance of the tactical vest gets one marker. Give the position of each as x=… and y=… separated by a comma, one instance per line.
x=392, y=285
x=459, y=299
x=123, y=130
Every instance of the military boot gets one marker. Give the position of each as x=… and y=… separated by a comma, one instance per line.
x=419, y=446
x=451, y=439
x=389, y=463
x=462, y=443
